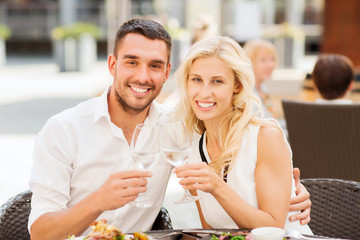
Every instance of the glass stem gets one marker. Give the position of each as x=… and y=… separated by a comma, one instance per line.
x=187, y=193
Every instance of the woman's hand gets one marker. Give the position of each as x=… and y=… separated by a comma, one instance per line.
x=301, y=202
x=198, y=176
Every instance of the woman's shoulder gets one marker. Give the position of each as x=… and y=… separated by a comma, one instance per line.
x=270, y=130
x=267, y=123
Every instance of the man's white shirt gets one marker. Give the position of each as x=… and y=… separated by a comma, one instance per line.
x=74, y=154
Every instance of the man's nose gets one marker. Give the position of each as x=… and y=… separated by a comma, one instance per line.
x=143, y=74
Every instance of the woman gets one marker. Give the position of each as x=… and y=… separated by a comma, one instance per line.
x=262, y=55
x=246, y=181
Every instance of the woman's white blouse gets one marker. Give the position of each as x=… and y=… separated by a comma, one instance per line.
x=241, y=178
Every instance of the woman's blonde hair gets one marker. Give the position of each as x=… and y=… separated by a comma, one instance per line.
x=234, y=124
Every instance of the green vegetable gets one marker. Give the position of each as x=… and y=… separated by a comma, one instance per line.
x=238, y=237
x=214, y=237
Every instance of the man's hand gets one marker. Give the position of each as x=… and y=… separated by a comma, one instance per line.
x=121, y=188
x=301, y=202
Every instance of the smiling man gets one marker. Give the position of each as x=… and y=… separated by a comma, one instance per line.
x=82, y=169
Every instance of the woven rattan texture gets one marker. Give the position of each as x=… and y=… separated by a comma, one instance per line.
x=324, y=138
x=15, y=212
x=335, y=210
x=14, y=216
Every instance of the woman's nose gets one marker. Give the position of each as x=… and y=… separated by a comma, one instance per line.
x=205, y=91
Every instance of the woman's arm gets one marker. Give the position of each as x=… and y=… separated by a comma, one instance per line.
x=272, y=178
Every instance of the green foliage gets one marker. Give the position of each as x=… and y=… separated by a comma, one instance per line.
x=174, y=29
x=5, y=32
x=75, y=30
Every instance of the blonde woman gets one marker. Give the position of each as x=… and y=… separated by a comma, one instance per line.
x=241, y=165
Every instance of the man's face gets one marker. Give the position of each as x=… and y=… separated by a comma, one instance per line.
x=139, y=69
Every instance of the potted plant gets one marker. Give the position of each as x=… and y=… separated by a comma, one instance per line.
x=5, y=33
x=289, y=41
x=75, y=46
x=180, y=41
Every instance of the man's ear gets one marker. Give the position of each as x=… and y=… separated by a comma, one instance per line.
x=167, y=73
x=111, y=64
x=351, y=85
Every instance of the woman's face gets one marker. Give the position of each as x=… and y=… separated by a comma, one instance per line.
x=264, y=65
x=211, y=86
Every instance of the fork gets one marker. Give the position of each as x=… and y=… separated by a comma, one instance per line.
x=296, y=234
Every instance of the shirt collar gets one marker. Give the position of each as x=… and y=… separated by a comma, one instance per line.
x=157, y=112
x=334, y=101
x=101, y=106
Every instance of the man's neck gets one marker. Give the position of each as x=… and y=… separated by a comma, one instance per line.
x=126, y=120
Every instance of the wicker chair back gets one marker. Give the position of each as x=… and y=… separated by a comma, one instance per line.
x=15, y=212
x=14, y=216
x=324, y=138
x=335, y=209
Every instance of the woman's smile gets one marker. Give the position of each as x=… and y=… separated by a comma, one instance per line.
x=205, y=106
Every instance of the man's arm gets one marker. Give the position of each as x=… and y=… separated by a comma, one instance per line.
x=119, y=189
x=301, y=202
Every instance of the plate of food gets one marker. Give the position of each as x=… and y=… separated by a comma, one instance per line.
x=215, y=234
x=100, y=230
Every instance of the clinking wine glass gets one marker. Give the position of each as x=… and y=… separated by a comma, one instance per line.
x=145, y=152
x=176, y=148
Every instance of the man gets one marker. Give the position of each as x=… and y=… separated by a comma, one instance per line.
x=81, y=160
x=82, y=169
x=334, y=79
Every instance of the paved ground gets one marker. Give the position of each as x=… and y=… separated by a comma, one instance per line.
x=32, y=90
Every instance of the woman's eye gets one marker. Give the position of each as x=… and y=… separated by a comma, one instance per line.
x=196, y=79
x=218, y=81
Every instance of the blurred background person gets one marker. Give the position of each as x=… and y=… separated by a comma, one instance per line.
x=333, y=77
x=204, y=27
x=262, y=55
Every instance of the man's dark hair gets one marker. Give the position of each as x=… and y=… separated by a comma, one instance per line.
x=148, y=28
x=332, y=75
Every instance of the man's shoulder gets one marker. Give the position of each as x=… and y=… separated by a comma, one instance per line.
x=80, y=110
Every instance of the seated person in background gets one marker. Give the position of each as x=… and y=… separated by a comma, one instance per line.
x=241, y=165
x=333, y=77
x=204, y=27
x=262, y=55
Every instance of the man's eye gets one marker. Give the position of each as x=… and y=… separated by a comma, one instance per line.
x=156, y=66
x=131, y=63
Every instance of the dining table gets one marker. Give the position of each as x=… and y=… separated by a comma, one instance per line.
x=212, y=234
x=209, y=234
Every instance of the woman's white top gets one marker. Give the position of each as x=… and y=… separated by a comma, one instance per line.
x=241, y=178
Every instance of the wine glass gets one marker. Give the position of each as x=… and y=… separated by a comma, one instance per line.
x=145, y=152
x=176, y=148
